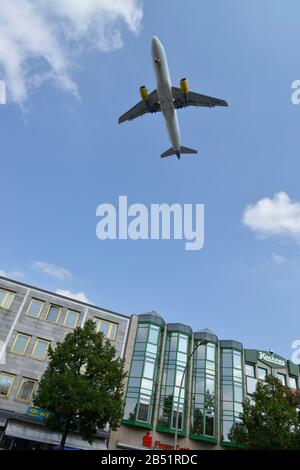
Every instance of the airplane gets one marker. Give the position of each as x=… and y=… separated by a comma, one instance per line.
x=167, y=98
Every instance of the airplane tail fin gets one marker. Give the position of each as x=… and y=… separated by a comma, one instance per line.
x=182, y=150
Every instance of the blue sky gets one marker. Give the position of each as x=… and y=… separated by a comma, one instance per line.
x=63, y=155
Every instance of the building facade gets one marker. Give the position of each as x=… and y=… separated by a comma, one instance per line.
x=30, y=320
x=177, y=379
x=190, y=381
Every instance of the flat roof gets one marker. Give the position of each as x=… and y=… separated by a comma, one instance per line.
x=29, y=286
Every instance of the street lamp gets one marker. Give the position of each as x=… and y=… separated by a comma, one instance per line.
x=200, y=343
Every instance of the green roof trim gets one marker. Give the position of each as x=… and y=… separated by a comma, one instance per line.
x=250, y=355
x=136, y=424
x=231, y=444
x=198, y=437
x=170, y=431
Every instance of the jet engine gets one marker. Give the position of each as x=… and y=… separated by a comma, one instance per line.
x=144, y=93
x=184, y=86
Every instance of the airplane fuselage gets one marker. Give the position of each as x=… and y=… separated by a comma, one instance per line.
x=164, y=91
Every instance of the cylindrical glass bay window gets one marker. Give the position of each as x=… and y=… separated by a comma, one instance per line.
x=143, y=375
x=232, y=389
x=204, y=391
x=172, y=397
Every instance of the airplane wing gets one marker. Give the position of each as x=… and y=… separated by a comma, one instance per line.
x=194, y=99
x=150, y=106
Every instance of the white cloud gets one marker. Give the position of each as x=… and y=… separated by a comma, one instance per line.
x=12, y=274
x=52, y=270
x=278, y=259
x=39, y=40
x=274, y=216
x=73, y=295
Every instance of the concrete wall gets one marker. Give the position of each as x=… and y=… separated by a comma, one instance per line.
x=26, y=366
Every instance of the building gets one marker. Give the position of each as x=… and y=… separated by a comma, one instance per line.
x=207, y=396
x=177, y=379
x=30, y=320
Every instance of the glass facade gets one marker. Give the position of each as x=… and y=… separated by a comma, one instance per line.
x=231, y=391
x=203, y=404
x=203, y=391
x=175, y=360
x=143, y=375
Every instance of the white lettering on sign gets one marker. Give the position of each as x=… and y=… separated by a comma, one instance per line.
x=269, y=358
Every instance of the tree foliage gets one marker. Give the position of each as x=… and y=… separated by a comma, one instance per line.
x=270, y=420
x=83, y=385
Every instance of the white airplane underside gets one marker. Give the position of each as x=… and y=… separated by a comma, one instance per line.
x=166, y=99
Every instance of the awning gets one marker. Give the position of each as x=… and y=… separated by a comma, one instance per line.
x=34, y=432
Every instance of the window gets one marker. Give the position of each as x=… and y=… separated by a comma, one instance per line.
x=293, y=382
x=250, y=370
x=144, y=408
x=142, y=334
x=153, y=334
x=209, y=424
x=281, y=377
x=210, y=352
x=6, y=383
x=149, y=368
x=238, y=393
x=71, y=319
x=183, y=344
x=6, y=298
x=40, y=349
x=250, y=379
x=35, y=308
x=237, y=360
x=20, y=344
x=262, y=373
x=251, y=385
x=130, y=408
x=108, y=328
x=53, y=313
x=26, y=390
x=227, y=360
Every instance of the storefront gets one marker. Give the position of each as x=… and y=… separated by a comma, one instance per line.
x=21, y=432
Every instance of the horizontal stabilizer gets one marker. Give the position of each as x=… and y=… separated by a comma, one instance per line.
x=187, y=150
x=172, y=151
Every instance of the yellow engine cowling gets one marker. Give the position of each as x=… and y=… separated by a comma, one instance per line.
x=184, y=86
x=144, y=93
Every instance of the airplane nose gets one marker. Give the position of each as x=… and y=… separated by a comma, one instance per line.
x=155, y=46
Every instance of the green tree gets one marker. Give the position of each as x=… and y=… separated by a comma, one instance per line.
x=270, y=421
x=83, y=385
